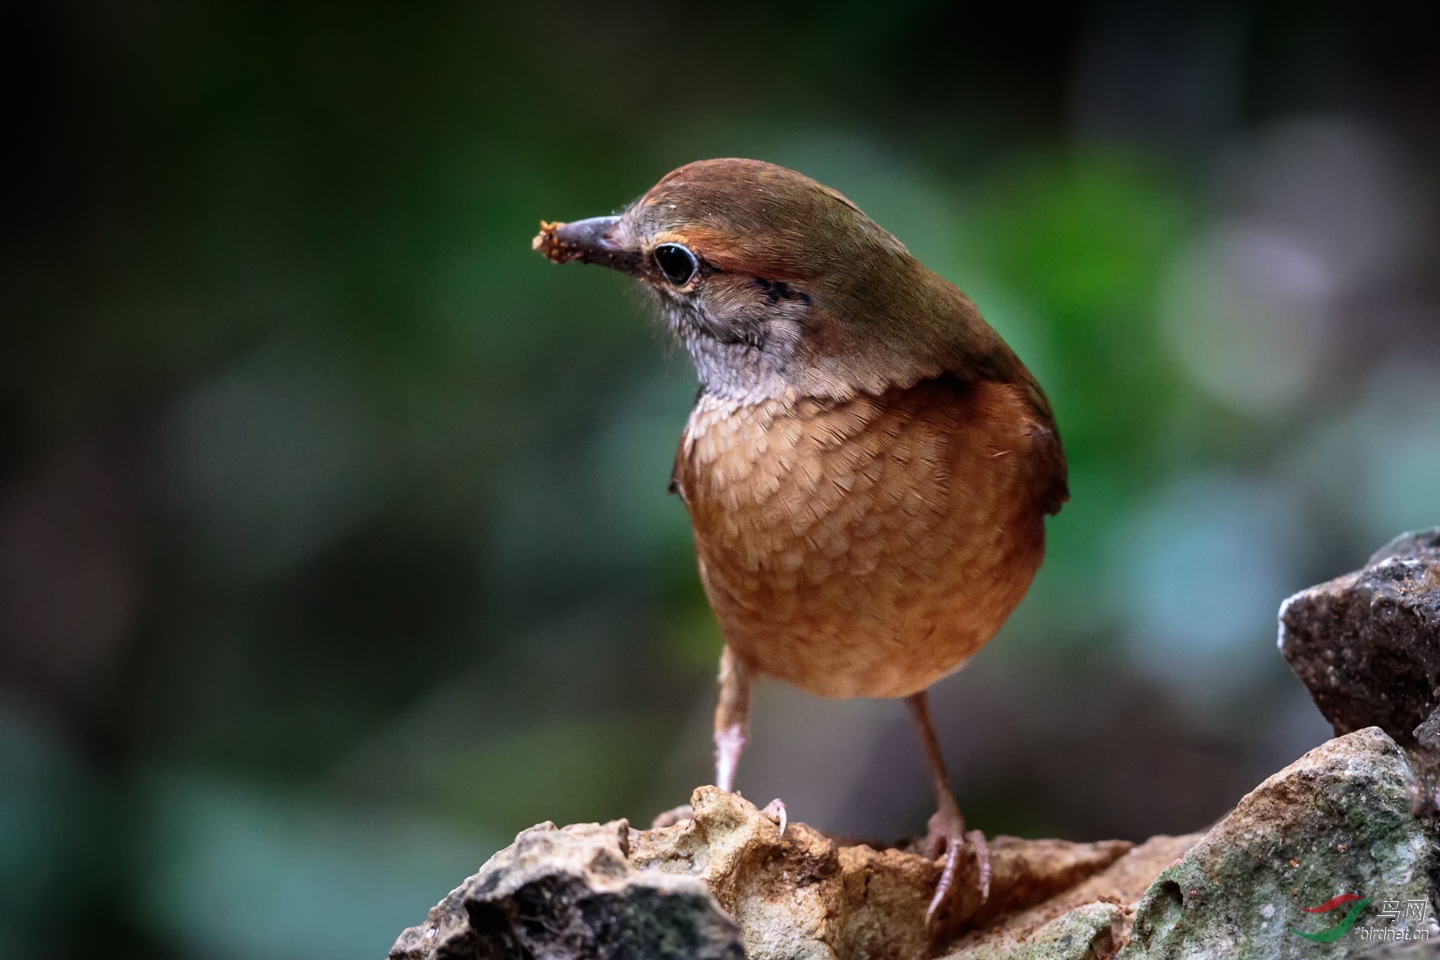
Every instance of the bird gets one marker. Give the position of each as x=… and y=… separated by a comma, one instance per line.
x=867, y=466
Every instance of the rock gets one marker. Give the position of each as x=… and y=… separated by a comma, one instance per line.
x=1336, y=821
x=726, y=884
x=1367, y=645
x=1110, y=894
x=572, y=893
x=1089, y=932
x=1424, y=950
x=705, y=886
x=1423, y=544
x=805, y=895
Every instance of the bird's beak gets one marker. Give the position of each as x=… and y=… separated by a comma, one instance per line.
x=589, y=241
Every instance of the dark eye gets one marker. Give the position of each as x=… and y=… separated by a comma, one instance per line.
x=677, y=263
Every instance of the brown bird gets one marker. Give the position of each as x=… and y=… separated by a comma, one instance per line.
x=867, y=467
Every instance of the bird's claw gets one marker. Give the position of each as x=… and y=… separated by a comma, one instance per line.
x=982, y=860
x=775, y=810
x=947, y=835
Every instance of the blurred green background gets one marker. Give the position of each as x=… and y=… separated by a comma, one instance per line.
x=334, y=542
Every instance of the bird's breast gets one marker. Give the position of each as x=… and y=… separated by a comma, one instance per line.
x=866, y=547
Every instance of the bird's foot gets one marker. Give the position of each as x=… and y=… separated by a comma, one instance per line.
x=673, y=816
x=775, y=810
x=947, y=836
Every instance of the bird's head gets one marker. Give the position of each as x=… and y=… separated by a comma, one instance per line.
x=776, y=285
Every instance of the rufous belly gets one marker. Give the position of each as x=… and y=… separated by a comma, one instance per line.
x=865, y=548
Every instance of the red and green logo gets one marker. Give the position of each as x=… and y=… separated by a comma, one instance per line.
x=1341, y=928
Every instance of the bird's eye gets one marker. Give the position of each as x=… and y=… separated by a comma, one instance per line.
x=677, y=263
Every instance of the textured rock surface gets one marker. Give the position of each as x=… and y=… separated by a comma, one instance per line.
x=1103, y=905
x=1367, y=645
x=1427, y=950
x=1087, y=932
x=704, y=887
x=804, y=895
x=572, y=893
x=1338, y=820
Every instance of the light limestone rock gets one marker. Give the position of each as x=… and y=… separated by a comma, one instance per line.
x=572, y=893
x=805, y=895
x=1338, y=820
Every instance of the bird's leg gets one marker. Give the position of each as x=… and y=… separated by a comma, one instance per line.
x=732, y=718
x=732, y=727
x=947, y=827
